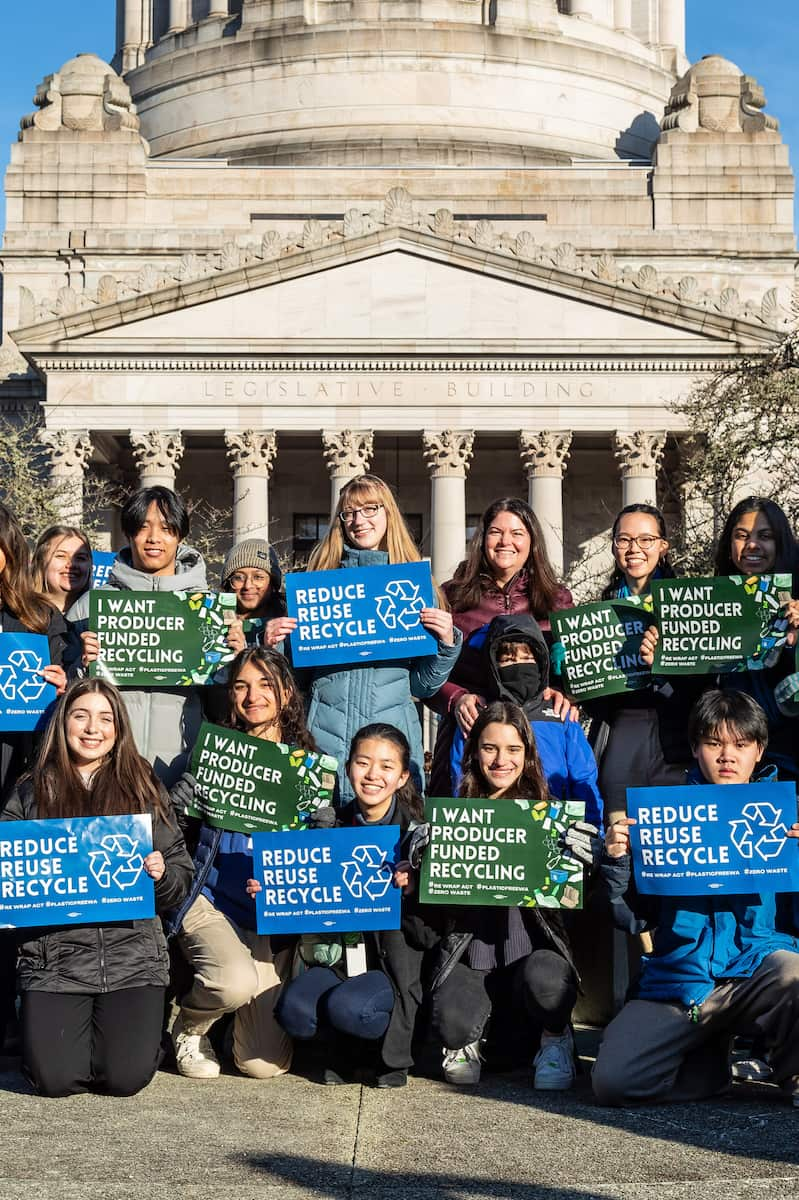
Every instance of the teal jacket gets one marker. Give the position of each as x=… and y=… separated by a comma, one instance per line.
x=343, y=698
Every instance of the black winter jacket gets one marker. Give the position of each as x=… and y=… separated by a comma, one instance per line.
x=90, y=959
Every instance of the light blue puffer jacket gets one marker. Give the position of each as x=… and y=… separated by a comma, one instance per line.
x=341, y=699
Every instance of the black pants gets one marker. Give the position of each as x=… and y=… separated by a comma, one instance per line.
x=462, y=1004
x=76, y=1043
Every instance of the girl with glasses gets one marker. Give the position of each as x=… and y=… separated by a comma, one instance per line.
x=368, y=530
x=639, y=737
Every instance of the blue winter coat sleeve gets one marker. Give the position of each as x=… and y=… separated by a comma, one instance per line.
x=582, y=773
x=427, y=675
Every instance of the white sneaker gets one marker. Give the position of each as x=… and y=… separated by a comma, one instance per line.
x=751, y=1070
x=462, y=1067
x=194, y=1055
x=554, y=1063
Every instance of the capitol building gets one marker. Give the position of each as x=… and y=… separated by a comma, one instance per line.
x=479, y=247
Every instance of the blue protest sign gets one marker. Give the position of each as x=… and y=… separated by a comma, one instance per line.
x=360, y=615
x=327, y=880
x=697, y=841
x=25, y=698
x=76, y=871
x=102, y=562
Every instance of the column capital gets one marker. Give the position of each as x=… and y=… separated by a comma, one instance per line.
x=448, y=451
x=544, y=452
x=69, y=450
x=347, y=451
x=252, y=452
x=639, y=451
x=157, y=451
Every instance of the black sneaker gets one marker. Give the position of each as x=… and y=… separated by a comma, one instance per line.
x=392, y=1079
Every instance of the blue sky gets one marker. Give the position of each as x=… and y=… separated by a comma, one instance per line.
x=38, y=36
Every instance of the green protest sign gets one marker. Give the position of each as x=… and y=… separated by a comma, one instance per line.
x=172, y=639
x=503, y=853
x=597, y=648
x=727, y=623
x=250, y=785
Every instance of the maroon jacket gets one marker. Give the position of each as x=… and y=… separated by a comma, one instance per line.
x=496, y=601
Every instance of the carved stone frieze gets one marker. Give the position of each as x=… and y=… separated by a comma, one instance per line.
x=398, y=212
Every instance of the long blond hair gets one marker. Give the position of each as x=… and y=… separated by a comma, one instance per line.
x=369, y=489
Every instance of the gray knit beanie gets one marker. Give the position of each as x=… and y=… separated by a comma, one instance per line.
x=254, y=553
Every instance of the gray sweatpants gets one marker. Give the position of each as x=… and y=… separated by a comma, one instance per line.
x=653, y=1051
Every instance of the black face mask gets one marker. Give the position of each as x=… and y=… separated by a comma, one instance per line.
x=521, y=681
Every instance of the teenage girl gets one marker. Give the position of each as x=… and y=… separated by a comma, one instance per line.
x=639, y=737
x=62, y=565
x=369, y=1016
x=368, y=530
x=490, y=955
x=93, y=995
x=236, y=969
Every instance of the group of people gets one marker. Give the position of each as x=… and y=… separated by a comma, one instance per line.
x=491, y=985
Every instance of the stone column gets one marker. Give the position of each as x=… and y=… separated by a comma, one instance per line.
x=594, y=10
x=348, y=453
x=157, y=454
x=251, y=455
x=178, y=15
x=447, y=455
x=69, y=452
x=672, y=24
x=639, y=454
x=219, y=8
x=130, y=51
x=544, y=453
x=623, y=15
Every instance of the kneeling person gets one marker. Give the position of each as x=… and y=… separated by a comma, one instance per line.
x=719, y=966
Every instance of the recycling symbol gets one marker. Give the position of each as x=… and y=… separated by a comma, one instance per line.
x=118, y=861
x=21, y=676
x=761, y=819
x=401, y=604
x=366, y=873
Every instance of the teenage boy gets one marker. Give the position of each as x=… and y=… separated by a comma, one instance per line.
x=718, y=968
x=165, y=721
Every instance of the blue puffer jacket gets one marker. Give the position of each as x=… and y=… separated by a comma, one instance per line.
x=698, y=940
x=343, y=698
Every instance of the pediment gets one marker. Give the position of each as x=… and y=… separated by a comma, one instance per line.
x=401, y=287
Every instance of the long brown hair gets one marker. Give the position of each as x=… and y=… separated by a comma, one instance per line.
x=16, y=588
x=273, y=666
x=124, y=783
x=473, y=577
x=532, y=784
x=369, y=489
x=44, y=550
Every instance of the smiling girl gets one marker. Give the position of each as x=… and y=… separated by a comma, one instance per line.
x=62, y=565
x=93, y=995
x=370, y=1015
x=490, y=956
x=236, y=969
x=369, y=530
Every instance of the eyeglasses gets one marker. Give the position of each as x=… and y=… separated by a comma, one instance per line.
x=644, y=541
x=348, y=515
x=259, y=578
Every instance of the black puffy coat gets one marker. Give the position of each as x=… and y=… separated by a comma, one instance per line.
x=90, y=959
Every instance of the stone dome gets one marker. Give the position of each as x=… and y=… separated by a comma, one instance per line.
x=405, y=82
